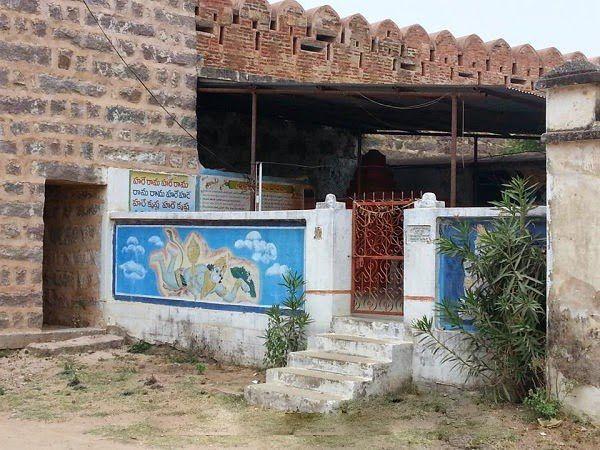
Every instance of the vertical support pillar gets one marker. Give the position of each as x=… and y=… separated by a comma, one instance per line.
x=476, y=171
x=453, y=144
x=253, y=150
x=359, y=165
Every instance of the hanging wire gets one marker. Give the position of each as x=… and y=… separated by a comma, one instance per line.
x=158, y=102
x=421, y=105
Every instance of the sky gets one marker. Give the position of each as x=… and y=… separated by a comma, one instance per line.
x=569, y=25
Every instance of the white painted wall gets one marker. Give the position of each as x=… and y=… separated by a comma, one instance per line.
x=228, y=335
x=420, y=285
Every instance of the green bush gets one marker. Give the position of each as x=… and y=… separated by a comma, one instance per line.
x=506, y=303
x=542, y=404
x=200, y=368
x=139, y=347
x=286, y=331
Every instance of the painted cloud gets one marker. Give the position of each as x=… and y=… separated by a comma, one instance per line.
x=133, y=246
x=262, y=251
x=277, y=270
x=133, y=271
x=156, y=241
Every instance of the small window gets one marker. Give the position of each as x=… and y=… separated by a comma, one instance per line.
x=343, y=37
x=432, y=55
x=328, y=52
x=221, y=34
x=541, y=72
x=446, y=60
x=236, y=19
x=460, y=60
x=394, y=64
x=294, y=46
x=505, y=80
x=474, y=64
x=215, y=17
x=488, y=64
x=423, y=69
x=309, y=30
x=357, y=44
x=291, y=31
x=373, y=45
x=402, y=50
x=452, y=73
x=273, y=25
x=257, y=41
x=254, y=24
x=478, y=77
x=528, y=72
x=360, y=60
x=197, y=10
x=501, y=69
x=388, y=33
x=514, y=68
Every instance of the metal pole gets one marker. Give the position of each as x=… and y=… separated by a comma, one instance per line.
x=475, y=171
x=454, y=126
x=253, y=151
x=359, y=165
x=260, y=186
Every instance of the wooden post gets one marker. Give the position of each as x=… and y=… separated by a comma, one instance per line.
x=454, y=126
x=253, y=151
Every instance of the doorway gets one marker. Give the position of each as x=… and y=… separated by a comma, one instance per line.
x=71, y=264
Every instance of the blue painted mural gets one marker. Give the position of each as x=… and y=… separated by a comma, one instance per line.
x=452, y=275
x=218, y=267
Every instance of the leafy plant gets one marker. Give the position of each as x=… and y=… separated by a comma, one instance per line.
x=286, y=331
x=542, y=404
x=139, y=347
x=501, y=317
x=2, y=391
x=200, y=368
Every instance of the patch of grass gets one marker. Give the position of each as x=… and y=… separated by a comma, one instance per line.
x=69, y=369
x=542, y=404
x=139, y=347
x=2, y=391
x=200, y=368
x=6, y=353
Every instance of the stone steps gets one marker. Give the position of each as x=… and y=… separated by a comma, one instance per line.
x=362, y=357
x=346, y=386
x=81, y=344
x=289, y=398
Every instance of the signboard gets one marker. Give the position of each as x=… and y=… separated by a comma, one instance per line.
x=218, y=266
x=420, y=234
x=164, y=192
x=228, y=191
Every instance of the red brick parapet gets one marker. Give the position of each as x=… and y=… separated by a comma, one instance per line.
x=283, y=41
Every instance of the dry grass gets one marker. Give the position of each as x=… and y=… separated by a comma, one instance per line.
x=162, y=400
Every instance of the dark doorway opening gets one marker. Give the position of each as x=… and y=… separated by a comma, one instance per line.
x=71, y=265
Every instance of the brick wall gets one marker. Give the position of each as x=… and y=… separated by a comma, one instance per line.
x=284, y=41
x=68, y=106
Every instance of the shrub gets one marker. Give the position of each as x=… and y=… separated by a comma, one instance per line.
x=200, y=368
x=506, y=303
x=542, y=404
x=139, y=347
x=286, y=331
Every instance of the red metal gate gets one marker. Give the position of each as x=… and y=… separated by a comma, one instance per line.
x=378, y=256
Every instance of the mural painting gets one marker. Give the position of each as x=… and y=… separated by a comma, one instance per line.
x=206, y=264
x=453, y=275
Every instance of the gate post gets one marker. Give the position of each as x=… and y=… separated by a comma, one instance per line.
x=573, y=171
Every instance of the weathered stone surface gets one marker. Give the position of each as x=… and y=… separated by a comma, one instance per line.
x=21, y=209
x=68, y=172
x=33, y=254
x=20, y=105
x=115, y=25
x=52, y=84
x=174, y=19
x=90, y=41
x=121, y=71
x=8, y=147
x=22, y=52
x=25, y=6
x=163, y=56
x=125, y=115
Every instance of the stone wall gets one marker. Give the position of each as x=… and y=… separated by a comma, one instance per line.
x=69, y=106
x=284, y=41
x=71, y=279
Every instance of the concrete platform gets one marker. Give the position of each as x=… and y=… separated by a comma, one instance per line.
x=78, y=345
x=22, y=339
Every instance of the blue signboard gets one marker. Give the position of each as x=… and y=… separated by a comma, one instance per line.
x=452, y=275
x=216, y=267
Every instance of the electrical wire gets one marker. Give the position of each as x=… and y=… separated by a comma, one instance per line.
x=421, y=105
x=158, y=102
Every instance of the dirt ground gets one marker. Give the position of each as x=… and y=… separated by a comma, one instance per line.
x=170, y=399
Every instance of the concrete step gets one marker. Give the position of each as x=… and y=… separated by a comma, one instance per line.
x=78, y=345
x=359, y=345
x=341, y=363
x=346, y=386
x=288, y=398
x=53, y=334
x=380, y=328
